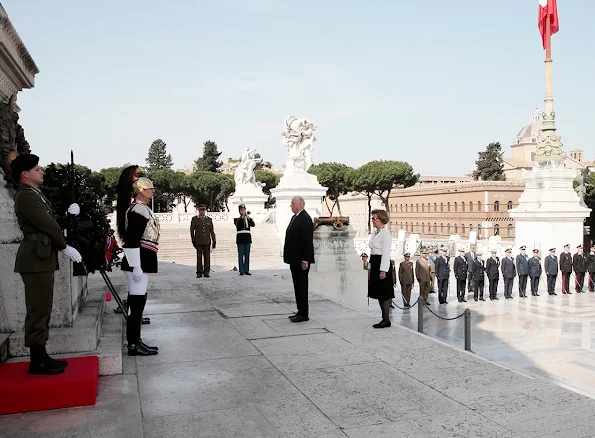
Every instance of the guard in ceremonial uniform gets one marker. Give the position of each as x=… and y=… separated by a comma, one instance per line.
x=591, y=269
x=522, y=270
x=202, y=235
x=138, y=228
x=579, y=266
x=550, y=266
x=508, y=274
x=37, y=259
x=243, y=239
x=566, y=269
x=535, y=272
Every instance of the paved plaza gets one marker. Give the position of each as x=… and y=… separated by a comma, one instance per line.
x=232, y=364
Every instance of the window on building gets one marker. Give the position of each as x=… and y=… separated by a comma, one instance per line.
x=456, y=207
x=509, y=230
x=470, y=227
x=417, y=207
x=478, y=231
x=448, y=206
x=462, y=206
x=429, y=208
x=423, y=207
x=435, y=207
x=462, y=229
x=448, y=229
x=496, y=230
x=417, y=227
x=406, y=208
x=478, y=205
x=407, y=226
x=441, y=229
x=496, y=206
x=435, y=228
x=423, y=228
x=456, y=229
x=471, y=206
x=510, y=205
x=442, y=206
x=401, y=208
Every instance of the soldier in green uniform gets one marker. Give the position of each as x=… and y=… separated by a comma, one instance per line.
x=37, y=259
x=202, y=235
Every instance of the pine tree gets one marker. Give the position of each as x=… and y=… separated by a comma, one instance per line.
x=489, y=164
x=209, y=160
x=158, y=158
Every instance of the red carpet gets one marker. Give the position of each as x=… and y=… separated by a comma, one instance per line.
x=23, y=392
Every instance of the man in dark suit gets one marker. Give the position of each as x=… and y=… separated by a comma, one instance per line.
x=579, y=266
x=298, y=253
x=478, y=272
x=535, y=272
x=508, y=274
x=492, y=265
x=470, y=257
x=443, y=275
x=460, y=268
x=591, y=269
x=566, y=269
x=522, y=270
x=550, y=266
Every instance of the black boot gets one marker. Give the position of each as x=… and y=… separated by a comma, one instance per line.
x=41, y=363
x=140, y=350
x=140, y=341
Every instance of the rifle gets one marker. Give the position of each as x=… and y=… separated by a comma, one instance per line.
x=73, y=225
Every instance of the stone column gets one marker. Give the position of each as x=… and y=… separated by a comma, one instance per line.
x=337, y=272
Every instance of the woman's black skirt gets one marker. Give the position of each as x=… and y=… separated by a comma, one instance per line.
x=379, y=289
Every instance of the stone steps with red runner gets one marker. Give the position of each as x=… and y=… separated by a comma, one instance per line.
x=22, y=392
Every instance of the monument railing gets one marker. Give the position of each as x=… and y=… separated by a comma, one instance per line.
x=176, y=218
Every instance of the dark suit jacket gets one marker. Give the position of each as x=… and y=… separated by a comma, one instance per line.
x=460, y=268
x=442, y=268
x=492, y=268
x=551, y=265
x=507, y=267
x=534, y=267
x=565, y=263
x=299, y=240
x=579, y=263
x=478, y=270
x=201, y=231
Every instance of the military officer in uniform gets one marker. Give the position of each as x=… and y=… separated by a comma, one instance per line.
x=522, y=269
x=37, y=259
x=550, y=266
x=203, y=236
x=579, y=266
x=508, y=273
x=478, y=272
x=535, y=272
x=566, y=269
x=460, y=269
x=591, y=269
x=492, y=265
x=406, y=276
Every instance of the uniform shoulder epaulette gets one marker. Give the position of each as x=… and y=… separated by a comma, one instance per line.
x=141, y=209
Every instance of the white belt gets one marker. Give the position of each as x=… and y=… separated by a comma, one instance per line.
x=244, y=232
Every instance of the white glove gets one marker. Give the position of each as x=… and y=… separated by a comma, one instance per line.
x=74, y=209
x=137, y=274
x=74, y=255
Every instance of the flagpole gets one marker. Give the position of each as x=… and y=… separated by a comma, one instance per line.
x=549, y=147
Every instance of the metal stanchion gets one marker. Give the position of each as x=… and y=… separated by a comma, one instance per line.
x=420, y=314
x=467, y=329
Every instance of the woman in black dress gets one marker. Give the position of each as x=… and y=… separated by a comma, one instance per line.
x=380, y=282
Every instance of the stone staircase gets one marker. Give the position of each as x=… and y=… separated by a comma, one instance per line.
x=175, y=245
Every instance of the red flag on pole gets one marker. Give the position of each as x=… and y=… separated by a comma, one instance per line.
x=547, y=7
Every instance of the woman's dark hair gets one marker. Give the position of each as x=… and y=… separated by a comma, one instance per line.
x=124, y=196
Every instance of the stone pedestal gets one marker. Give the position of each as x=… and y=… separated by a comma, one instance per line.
x=549, y=213
x=251, y=196
x=296, y=183
x=337, y=272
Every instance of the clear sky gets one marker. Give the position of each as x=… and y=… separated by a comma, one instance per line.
x=429, y=82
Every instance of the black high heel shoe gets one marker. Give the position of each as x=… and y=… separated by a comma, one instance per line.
x=382, y=324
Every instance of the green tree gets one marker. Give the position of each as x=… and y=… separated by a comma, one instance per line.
x=489, y=164
x=209, y=162
x=111, y=176
x=166, y=189
x=90, y=193
x=270, y=180
x=337, y=177
x=210, y=188
x=380, y=178
x=158, y=158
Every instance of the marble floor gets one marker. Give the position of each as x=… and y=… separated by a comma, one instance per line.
x=551, y=336
x=231, y=364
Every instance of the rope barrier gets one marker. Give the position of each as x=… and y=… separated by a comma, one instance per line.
x=441, y=317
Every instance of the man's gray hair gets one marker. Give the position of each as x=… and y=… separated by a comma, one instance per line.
x=301, y=201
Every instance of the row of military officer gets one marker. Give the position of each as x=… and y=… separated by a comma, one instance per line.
x=473, y=268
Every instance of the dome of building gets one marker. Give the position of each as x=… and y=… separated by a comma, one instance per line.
x=530, y=133
x=526, y=132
